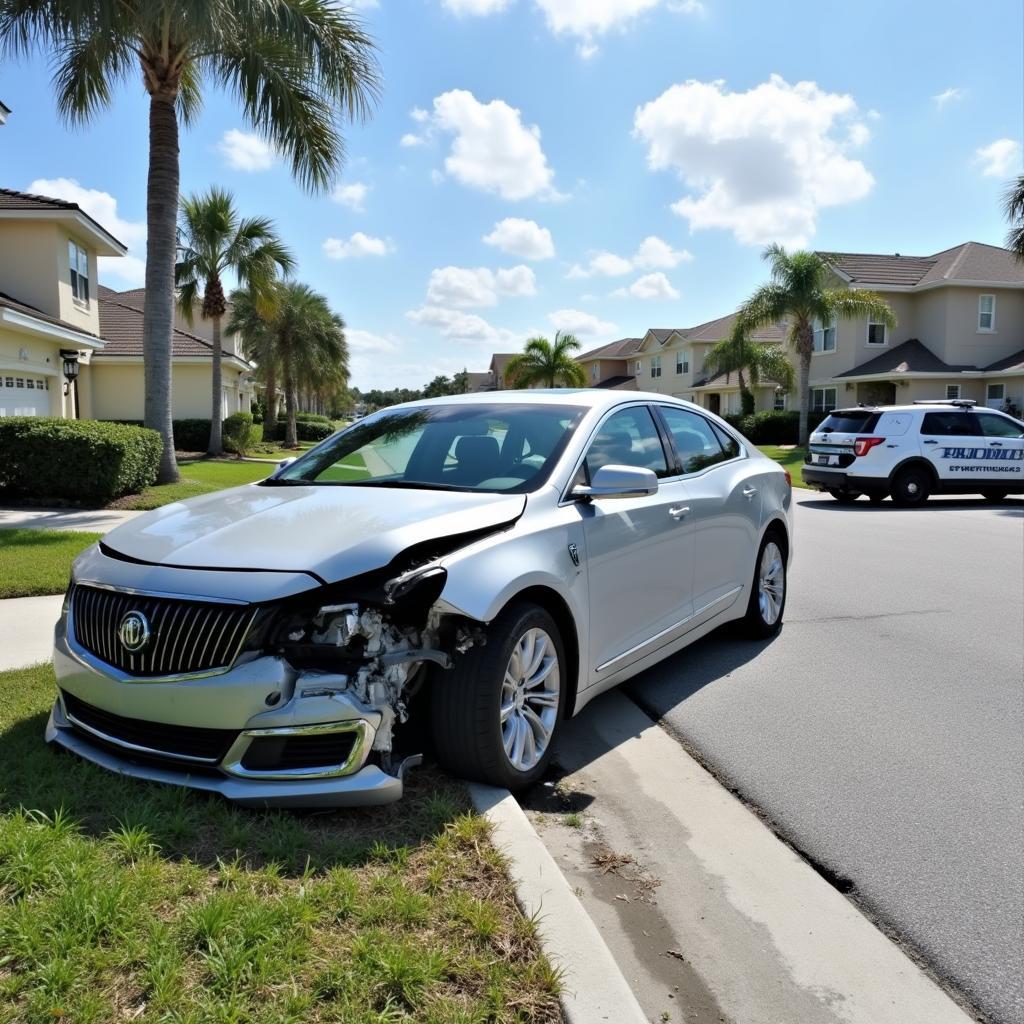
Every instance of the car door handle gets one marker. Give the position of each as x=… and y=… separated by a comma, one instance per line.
x=931, y=442
x=749, y=492
x=995, y=444
x=679, y=511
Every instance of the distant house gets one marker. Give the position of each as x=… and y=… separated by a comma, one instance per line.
x=55, y=316
x=609, y=365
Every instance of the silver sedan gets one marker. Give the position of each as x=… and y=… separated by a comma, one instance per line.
x=482, y=566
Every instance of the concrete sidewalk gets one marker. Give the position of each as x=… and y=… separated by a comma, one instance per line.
x=26, y=630
x=89, y=520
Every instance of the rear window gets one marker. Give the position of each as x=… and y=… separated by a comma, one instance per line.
x=850, y=421
x=954, y=423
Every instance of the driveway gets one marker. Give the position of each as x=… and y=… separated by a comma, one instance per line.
x=882, y=733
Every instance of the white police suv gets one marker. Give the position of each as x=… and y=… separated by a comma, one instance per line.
x=912, y=451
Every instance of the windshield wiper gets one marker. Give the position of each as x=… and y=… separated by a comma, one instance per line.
x=412, y=485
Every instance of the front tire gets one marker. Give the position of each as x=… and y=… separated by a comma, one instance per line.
x=993, y=494
x=496, y=713
x=768, y=594
x=844, y=497
x=911, y=487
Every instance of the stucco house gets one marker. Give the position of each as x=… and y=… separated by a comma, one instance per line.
x=68, y=346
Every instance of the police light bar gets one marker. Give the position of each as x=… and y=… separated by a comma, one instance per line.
x=960, y=403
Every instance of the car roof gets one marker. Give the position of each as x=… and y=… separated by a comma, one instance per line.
x=590, y=398
x=937, y=406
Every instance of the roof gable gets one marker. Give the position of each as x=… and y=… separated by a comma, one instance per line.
x=26, y=205
x=967, y=262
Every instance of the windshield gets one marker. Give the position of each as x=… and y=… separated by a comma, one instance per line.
x=479, y=447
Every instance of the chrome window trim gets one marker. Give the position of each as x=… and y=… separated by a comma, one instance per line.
x=232, y=763
x=91, y=661
x=744, y=454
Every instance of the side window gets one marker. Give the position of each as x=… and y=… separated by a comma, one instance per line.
x=998, y=426
x=948, y=424
x=627, y=438
x=696, y=440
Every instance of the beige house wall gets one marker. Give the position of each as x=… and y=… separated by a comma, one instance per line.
x=29, y=264
x=85, y=316
x=965, y=343
x=24, y=356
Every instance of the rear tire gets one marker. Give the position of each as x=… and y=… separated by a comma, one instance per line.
x=993, y=494
x=911, y=487
x=481, y=707
x=877, y=497
x=844, y=497
x=767, y=602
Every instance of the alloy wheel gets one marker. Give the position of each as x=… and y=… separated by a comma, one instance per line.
x=771, y=583
x=529, y=699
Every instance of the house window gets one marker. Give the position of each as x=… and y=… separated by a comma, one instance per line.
x=823, y=399
x=594, y=371
x=986, y=312
x=682, y=362
x=877, y=334
x=952, y=391
x=779, y=404
x=824, y=337
x=994, y=395
x=655, y=366
x=78, y=259
x=639, y=368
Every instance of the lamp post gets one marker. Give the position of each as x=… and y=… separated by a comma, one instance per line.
x=70, y=358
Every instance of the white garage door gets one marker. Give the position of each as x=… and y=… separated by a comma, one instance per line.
x=24, y=396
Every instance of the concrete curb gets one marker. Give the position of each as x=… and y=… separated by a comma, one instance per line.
x=595, y=989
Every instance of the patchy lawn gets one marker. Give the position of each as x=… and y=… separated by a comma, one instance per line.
x=198, y=477
x=34, y=562
x=789, y=458
x=121, y=900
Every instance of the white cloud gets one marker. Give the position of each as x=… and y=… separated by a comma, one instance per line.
x=102, y=207
x=998, y=159
x=367, y=343
x=656, y=254
x=463, y=328
x=575, y=321
x=469, y=287
x=586, y=19
x=760, y=163
x=492, y=150
x=650, y=286
x=246, y=152
x=947, y=96
x=357, y=246
x=419, y=115
x=524, y=238
x=475, y=7
x=353, y=196
x=410, y=139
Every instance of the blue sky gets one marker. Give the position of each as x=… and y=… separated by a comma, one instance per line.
x=626, y=161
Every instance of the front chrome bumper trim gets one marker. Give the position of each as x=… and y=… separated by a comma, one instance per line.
x=232, y=762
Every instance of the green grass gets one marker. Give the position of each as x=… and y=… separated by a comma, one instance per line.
x=121, y=900
x=200, y=476
x=36, y=562
x=789, y=458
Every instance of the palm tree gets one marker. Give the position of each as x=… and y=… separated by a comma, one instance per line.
x=212, y=241
x=739, y=354
x=801, y=293
x=297, y=68
x=294, y=329
x=1013, y=207
x=544, y=363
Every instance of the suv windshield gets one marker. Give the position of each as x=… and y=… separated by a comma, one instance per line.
x=479, y=447
x=850, y=421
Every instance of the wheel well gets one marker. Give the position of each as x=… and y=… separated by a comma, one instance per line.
x=915, y=464
x=553, y=604
x=777, y=528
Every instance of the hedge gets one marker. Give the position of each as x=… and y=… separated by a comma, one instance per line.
x=239, y=433
x=189, y=435
x=75, y=460
x=305, y=430
x=775, y=426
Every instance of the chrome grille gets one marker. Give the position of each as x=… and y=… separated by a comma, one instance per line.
x=185, y=636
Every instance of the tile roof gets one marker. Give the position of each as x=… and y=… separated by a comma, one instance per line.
x=731, y=379
x=8, y=302
x=121, y=328
x=970, y=261
x=1014, y=362
x=910, y=357
x=622, y=383
x=613, y=349
x=10, y=199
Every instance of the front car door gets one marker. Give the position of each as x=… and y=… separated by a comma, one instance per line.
x=1002, y=439
x=725, y=508
x=639, y=552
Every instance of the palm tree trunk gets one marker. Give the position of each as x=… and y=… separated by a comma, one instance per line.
x=161, y=247
x=216, y=446
x=806, y=347
x=270, y=404
x=291, y=439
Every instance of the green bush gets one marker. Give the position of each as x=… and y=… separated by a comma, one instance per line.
x=75, y=460
x=238, y=433
x=776, y=426
x=305, y=429
x=192, y=435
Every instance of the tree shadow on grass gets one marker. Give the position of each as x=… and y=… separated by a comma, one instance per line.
x=205, y=828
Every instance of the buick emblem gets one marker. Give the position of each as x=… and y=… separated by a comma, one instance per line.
x=133, y=632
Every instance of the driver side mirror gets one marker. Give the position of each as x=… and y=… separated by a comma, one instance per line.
x=618, y=482
x=283, y=464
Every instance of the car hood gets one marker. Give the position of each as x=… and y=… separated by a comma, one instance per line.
x=332, y=532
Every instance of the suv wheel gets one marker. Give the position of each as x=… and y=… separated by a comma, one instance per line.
x=911, y=487
x=993, y=494
x=844, y=497
x=495, y=714
x=768, y=592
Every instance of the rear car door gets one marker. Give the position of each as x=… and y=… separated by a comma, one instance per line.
x=724, y=503
x=639, y=554
x=950, y=442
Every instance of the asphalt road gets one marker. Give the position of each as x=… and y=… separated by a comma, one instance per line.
x=882, y=732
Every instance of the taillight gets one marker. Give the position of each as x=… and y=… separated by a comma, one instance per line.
x=864, y=444
x=789, y=479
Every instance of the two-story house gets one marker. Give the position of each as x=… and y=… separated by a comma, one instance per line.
x=70, y=347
